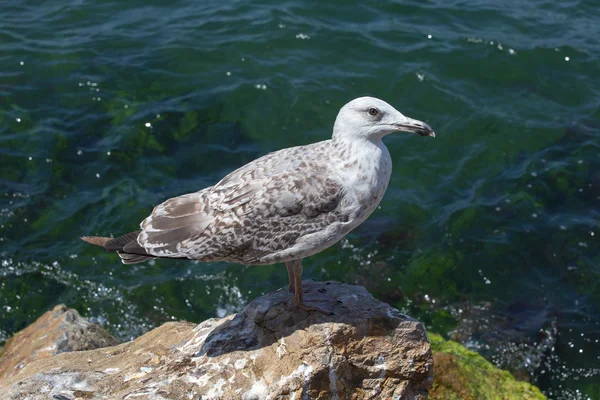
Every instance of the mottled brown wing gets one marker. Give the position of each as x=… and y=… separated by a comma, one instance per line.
x=286, y=193
x=242, y=221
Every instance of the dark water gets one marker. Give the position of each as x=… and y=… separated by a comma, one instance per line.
x=488, y=233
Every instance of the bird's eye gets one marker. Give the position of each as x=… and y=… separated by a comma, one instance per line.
x=373, y=111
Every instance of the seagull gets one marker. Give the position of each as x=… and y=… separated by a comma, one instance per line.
x=282, y=207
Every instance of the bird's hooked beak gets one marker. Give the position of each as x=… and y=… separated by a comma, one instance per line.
x=415, y=126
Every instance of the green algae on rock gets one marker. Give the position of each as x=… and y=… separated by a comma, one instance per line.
x=462, y=374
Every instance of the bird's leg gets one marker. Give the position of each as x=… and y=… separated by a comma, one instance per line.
x=325, y=303
x=289, y=265
x=297, y=273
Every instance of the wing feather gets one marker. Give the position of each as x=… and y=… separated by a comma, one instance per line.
x=259, y=209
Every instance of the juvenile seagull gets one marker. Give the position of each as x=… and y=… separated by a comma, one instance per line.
x=282, y=207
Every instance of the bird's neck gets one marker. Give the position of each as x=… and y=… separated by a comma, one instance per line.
x=360, y=152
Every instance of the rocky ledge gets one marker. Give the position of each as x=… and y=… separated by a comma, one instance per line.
x=58, y=331
x=269, y=350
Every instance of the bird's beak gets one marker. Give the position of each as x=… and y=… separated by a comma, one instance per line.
x=415, y=126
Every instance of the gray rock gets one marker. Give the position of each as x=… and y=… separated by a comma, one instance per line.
x=270, y=350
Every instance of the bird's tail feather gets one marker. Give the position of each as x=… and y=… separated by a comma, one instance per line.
x=126, y=247
x=128, y=258
x=96, y=240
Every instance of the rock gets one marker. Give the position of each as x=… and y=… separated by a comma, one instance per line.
x=270, y=350
x=462, y=374
x=57, y=331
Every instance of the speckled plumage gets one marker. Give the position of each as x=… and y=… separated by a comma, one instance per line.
x=259, y=213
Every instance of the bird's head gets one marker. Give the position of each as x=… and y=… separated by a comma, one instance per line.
x=372, y=118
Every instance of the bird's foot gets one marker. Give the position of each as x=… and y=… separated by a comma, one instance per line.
x=325, y=307
x=315, y=300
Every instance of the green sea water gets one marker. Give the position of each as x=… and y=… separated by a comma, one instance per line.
x=108, y=108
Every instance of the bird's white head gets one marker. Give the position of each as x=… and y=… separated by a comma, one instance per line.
x=371, y=118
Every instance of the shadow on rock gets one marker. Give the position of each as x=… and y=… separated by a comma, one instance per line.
x=271, y=318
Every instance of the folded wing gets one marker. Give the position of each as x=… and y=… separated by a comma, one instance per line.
x=245, y=216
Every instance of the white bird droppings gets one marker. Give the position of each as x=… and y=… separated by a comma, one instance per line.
x=281, y=349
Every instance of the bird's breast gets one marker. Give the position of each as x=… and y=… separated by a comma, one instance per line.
x=366, y=177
